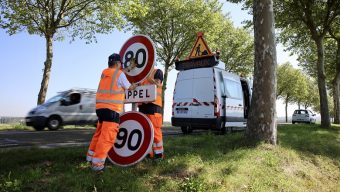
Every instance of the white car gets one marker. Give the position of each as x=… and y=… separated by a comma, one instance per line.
x=303, y=116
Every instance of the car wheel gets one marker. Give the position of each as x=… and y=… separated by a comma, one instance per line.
x=39, y=128
x=186, y=129
x=293, y=122
x=54, y=123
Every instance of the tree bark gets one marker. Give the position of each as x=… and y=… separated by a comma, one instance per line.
x=261, y=124
x=325, y=120
x=47, y=70
x=336, y=87
x=166, y=73
x=286, y=108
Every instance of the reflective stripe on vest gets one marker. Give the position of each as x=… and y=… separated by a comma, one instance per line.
x=109, y=95
x=158, y=100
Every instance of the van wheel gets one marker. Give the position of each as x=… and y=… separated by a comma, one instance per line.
x=54, y=123
x=186, y=129
x=293, y=122
x=223, y=128
x=39, y=128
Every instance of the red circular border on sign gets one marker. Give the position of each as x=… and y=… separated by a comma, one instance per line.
x=151, y=56
x=125, y=161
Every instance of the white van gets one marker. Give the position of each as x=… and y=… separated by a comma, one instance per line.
x=208, y=97
x=71, y=107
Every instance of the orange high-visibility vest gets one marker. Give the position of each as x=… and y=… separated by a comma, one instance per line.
x=109, y=95
x=158, y=100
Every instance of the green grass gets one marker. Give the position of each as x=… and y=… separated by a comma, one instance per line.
x=14, y=126
x=306, y=159
x=22, y=126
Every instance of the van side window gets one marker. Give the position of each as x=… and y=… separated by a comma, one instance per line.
x=72, y=99
x=233, y=89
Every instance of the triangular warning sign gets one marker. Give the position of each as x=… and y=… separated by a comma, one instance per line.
x=200, y=48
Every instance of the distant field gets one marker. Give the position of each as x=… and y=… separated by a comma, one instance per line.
x=306, y=159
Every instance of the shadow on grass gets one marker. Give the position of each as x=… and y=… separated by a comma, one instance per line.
x=311, y=139
x=59, y=169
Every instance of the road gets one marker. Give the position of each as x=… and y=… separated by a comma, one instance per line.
x=60, y=138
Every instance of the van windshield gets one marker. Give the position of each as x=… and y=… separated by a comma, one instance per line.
x=54, y=99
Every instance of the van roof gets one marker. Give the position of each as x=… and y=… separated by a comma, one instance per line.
x=81, y=90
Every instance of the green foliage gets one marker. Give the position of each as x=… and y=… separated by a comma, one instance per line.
x=306, y=159
x=173, y=26
x=237, y=50
x=83, y=18
x=293, y=86
x=191, y=184
x=9, y=185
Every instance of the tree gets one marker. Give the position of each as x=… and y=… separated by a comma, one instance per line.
x=307, y=57
x=173, y=25
x=310, y=99
x=334, y=32
x=290, y=85
x=295, y=18
x=261, y=124
x=237, y=50
x=52, y=18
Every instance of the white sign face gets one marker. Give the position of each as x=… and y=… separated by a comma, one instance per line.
x=141, y=48
x=127, y=147
x=145, y=93
x=134, y=139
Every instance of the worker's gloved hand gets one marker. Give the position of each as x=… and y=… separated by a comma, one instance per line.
x=133, y=63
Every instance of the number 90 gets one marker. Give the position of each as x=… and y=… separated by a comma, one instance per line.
x=124, y=138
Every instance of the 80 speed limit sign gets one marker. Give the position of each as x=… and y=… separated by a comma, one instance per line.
x=141, y=48
x=134, y=139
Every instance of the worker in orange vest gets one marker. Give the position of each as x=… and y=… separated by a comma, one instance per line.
x=109, y=104
x=153, y=111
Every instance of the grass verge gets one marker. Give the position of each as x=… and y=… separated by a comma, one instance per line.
x=306, y=159
x=22, y=126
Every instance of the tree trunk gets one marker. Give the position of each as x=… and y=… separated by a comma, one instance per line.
x=261, y=124
x=325, y=120
x=286, y=108
x=299, y=105
x=336, y=87
x=166, y=73
x=47, y=70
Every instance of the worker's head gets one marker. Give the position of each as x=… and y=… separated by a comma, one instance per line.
x=114, y=60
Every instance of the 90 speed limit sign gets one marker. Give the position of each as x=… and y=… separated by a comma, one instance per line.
x=141, y=48
x=134, y=139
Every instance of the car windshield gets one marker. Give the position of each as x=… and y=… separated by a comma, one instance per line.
x=54, y=99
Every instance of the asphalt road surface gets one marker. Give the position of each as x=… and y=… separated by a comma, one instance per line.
x=60, y=138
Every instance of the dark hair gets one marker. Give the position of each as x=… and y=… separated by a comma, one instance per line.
x=113, y=59
x=112, y=63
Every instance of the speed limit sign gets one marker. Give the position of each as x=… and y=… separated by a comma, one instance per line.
x=141, y=48
x=134, y=139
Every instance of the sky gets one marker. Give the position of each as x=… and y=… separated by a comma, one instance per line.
x=76, y=64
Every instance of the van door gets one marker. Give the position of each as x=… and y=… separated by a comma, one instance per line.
x=203, y=93
x=183, y=95
x=70, y=108
x=88, y=109
x=234, y=99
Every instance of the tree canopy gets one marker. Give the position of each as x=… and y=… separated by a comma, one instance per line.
x=173, y=26
x=53, y=19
